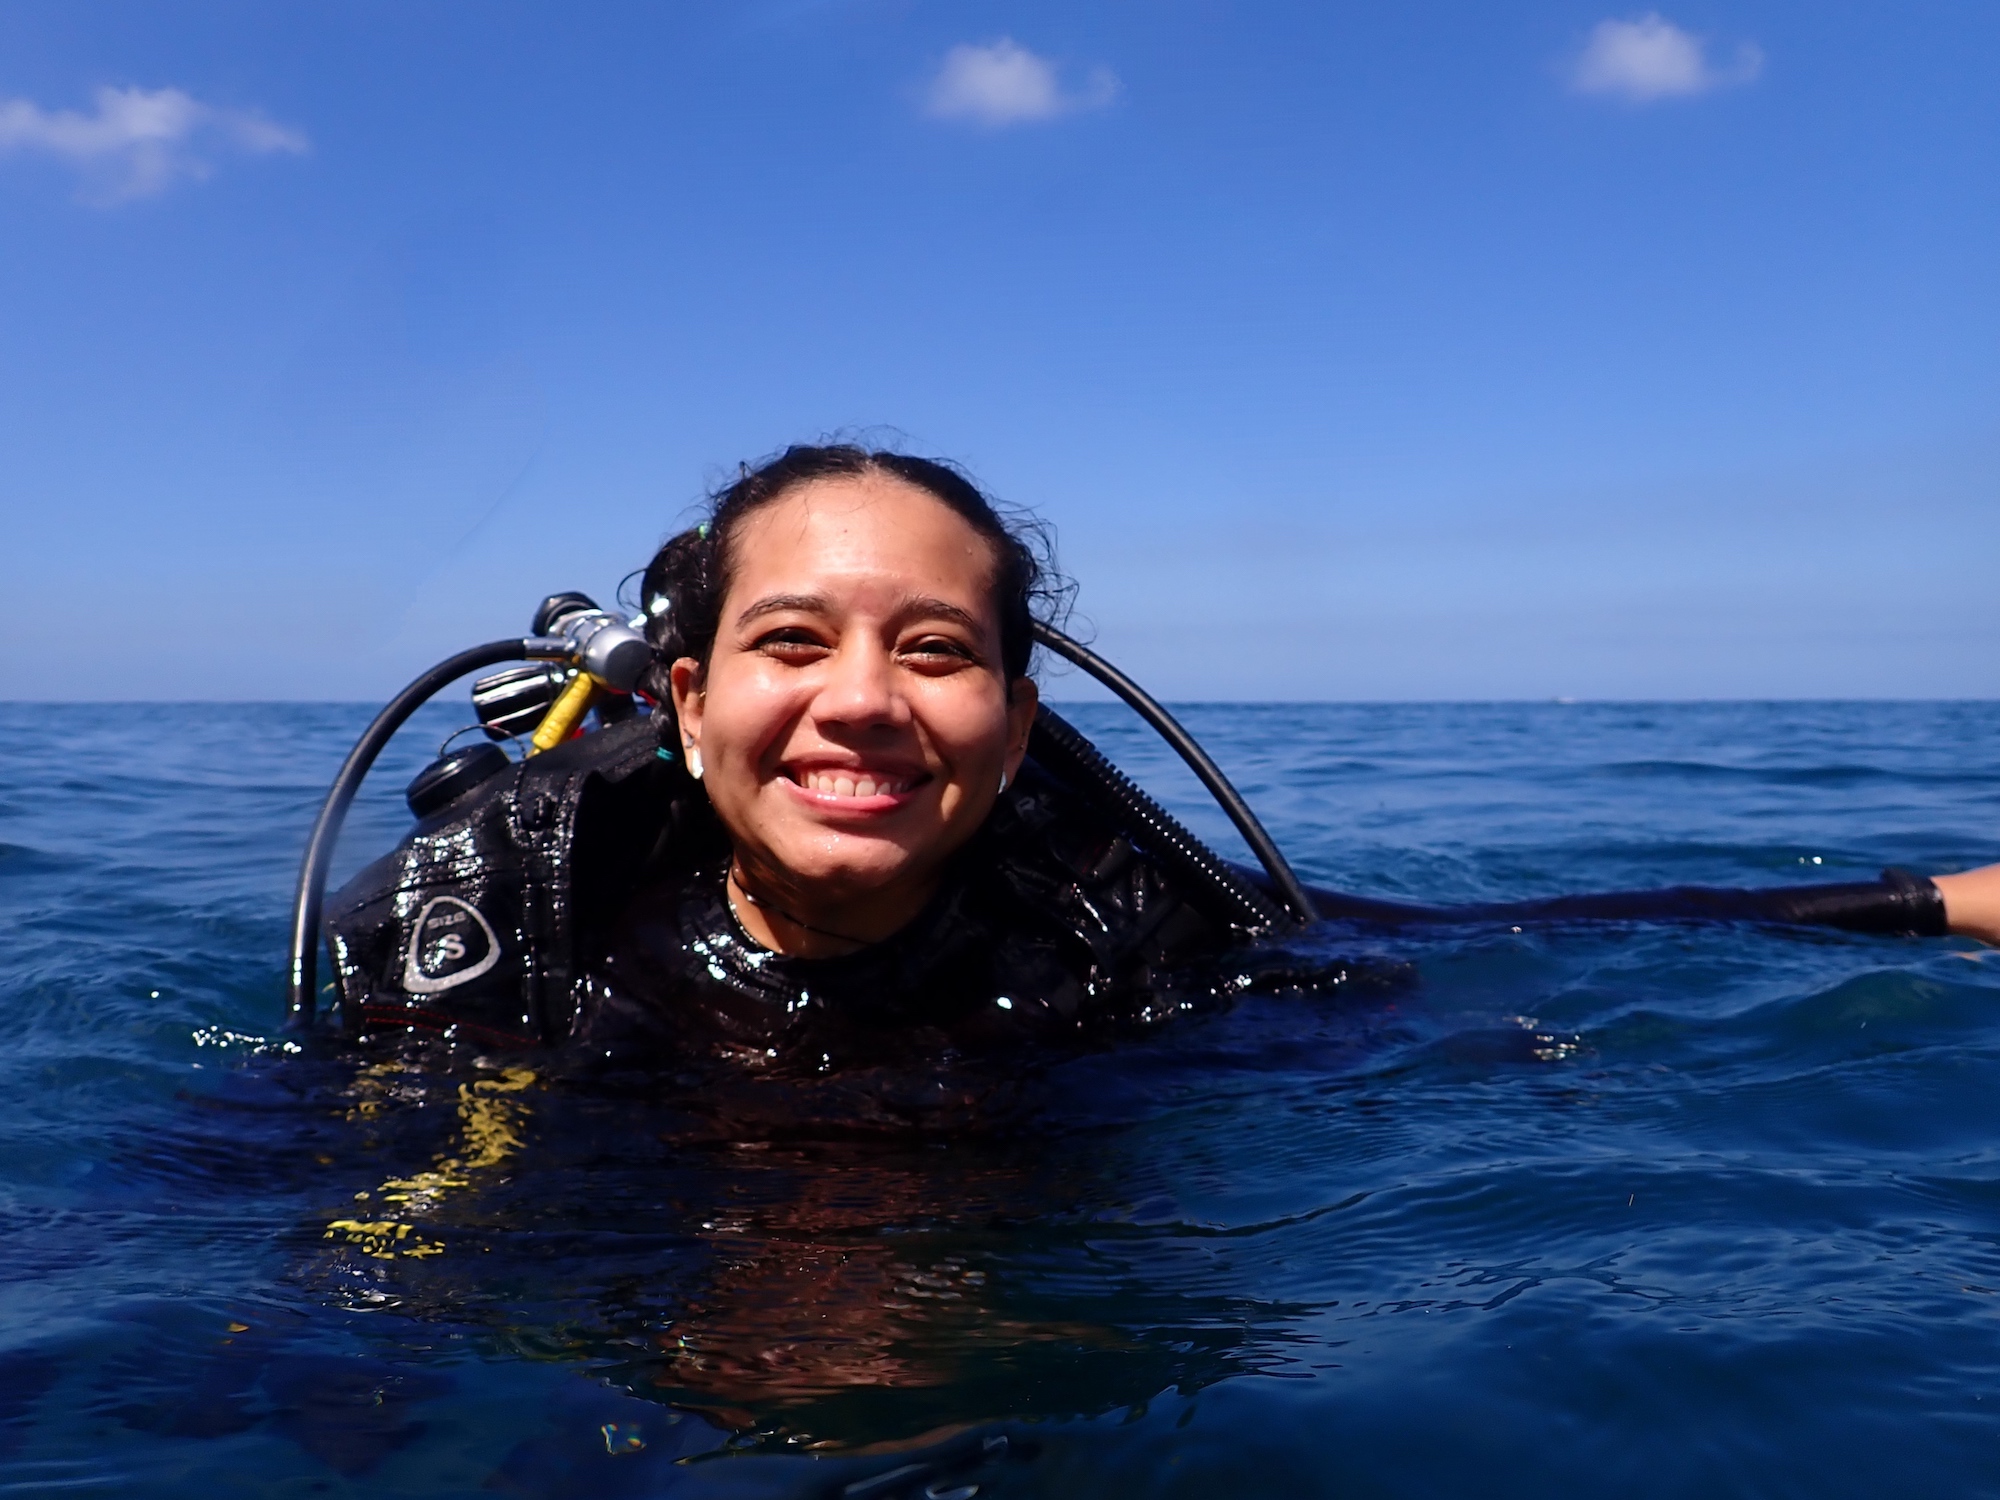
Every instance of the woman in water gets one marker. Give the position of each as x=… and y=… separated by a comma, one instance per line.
x=835, y=840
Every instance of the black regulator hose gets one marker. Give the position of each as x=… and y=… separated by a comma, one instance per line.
x=1058, y=746
x=303, y=988
x=1261, y=843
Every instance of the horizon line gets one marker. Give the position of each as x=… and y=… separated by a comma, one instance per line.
x=1106, y=699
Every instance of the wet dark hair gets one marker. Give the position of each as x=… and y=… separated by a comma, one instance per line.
x=684, y=585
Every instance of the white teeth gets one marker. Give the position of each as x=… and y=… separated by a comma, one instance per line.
x=838, y=784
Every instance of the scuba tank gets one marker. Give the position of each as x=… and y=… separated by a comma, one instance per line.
x=580, y=658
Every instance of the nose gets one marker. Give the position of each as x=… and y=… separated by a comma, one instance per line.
x=860, y=689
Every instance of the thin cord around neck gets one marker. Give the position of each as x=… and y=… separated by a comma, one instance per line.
x=731, y=883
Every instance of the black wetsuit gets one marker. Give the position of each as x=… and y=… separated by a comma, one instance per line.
x=578, y=900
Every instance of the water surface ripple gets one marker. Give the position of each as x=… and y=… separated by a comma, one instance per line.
x=1625, y=1210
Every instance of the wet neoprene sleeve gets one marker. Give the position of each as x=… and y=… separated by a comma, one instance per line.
x=1899, y=902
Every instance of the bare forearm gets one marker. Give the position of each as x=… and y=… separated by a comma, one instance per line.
x=1972, y=902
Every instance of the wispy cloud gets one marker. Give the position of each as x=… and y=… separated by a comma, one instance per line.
x=140, y=142
x=1649, y=58
x=1003, y=83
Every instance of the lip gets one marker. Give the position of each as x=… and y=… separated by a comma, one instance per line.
x=909, y=783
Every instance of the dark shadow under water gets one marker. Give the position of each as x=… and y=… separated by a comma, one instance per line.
x=802, y=1261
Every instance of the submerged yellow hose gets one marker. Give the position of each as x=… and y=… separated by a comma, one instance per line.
x=491, y=1133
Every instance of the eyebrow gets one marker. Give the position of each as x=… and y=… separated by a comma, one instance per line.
x=775, y=604
x=921, y=605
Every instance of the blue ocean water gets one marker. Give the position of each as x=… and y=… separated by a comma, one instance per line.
x=1626, y=1210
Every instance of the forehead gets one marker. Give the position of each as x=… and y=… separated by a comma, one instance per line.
x=847, y=532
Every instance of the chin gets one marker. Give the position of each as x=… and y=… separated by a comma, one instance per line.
x=836, y=886
x=853, y=867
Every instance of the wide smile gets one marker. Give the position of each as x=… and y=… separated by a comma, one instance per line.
x=853, y=789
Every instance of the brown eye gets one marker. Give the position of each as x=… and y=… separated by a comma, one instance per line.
x=937, y=651
x=791, y=645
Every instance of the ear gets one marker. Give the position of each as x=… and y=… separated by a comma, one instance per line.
x=1023, y=698
x=688, y=678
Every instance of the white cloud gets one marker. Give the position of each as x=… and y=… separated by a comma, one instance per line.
x=1650, y=58
x=1003, y=83
x=139, y=142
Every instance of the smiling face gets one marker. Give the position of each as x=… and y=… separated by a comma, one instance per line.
x=854, y=718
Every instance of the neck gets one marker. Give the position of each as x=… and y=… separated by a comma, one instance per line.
x=777, y=918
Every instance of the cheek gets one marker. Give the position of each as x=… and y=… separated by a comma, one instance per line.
x=742, y=715
x=970, y=727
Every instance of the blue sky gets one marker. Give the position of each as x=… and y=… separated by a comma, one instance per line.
x=1438, y=350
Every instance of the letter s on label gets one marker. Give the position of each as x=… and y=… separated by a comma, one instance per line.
x=421, y=978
